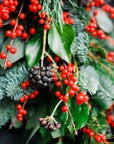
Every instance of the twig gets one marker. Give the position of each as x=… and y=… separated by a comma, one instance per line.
x=44, y=46
x=14, y=31
x=93, y=57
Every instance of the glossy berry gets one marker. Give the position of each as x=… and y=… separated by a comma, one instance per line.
x=24, y=35
x=65, y=108
x=24, y=112
x=8, y=33
x=32, y=96
x=8, y=63
x=47, y=26
x=58, y=83
x=24, y=85
x=56, y=58
x=39, y=7
x=21, y=99
x=61, y=68
x=8, y=47
x=19, y=115
x=109, y=58
x=12, y=22
x=13, y=35
x=20, y=119
x=66, y=82
x=22, y=16
x=32, y=30
x=65, y=98
x=57, y=93
x=36, y=92
x=26, y=97
x=19, y=106
x=61, y=97
x=98, y=138
x=41, y=21
x=104, y=138
x=3, y=55
x=71, y=93
x=13, y=50
x=91, y=133
x=20, y=27
x=18, y=33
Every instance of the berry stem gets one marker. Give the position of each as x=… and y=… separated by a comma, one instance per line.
x=17, y=20
x=44, y=46
x=56, y=108
x=94, y=58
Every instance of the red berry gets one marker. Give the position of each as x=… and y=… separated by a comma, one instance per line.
x=57, y=58
x=80, y=97
x=19, y=115
x=18, y=33
x=43, y=14
x=104, y=138
x=21, y=111
x=71, y=93
x=47, y=26
x=20, y=119
x=66, y=82
x=5, y=3
x=111, y=54
x=88, y=130
x=26, y=97
x=70, y=83
x=23, y=85
x=3, y=55
x=55, y=78
x=12, y=22
x=63, y=75
x=57, y=93
x=75, y=87
x=61, y=68
x=22, y=16
x=13, y=50
x=32, y=31
x=19, y=106
x=8, y=47
x=86, y=98
x=109, y=58
x=27, y=83
x=87, y=28
x=74, y=78
x=93, y=19
x=12, y=8
x=65, y=108
x=20, y=27
x=32, y=96
x=102, y=36
x=24, y=35
x=98, y=138
x=83, y=93
x=41, y=21
x=8, y=63
x=65, y=98
x=112, y=15
x=58, y=83
x=94, y=34
x=8, y=33
x=21, y=99
x=48, y=19
x=99, y=32
x=36, y=92
x=5, y=16
x=61, y=97
x=24, y=112
x=96, y=12
x=91, y=133
x=39, y=7
x=13, y=35
x=48, y=59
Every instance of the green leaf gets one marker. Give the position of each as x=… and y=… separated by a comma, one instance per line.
x=36, y=128
x=60, y=41
x=34, y=49
x=56, y=134
x=99, y=51
x=1, y=37
x=19, y=45
x=104, y=22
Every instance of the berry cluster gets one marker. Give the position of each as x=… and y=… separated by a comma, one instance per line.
x=92, y=27
x=6, y=8
x=110, y=120
x=110, y=57
x=97, y=137
x=109, y=9
x=67, y=73
x=23, y=100
x=35, y=7
x=40, y=77
x=67, y=20
x=49, y=124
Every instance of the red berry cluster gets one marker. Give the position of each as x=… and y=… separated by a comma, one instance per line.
x=109, y=9
x=67, y=73
x=110, y=57
x=97, y=137
x=6, y=8
x=96, y=3
x=35, y=7
x=92, y=27
x=23, y=100
x=67, y=20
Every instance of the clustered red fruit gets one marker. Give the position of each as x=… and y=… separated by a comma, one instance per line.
x=110, y=57
x=97, y=137
x=6, y=8
x=67, y=20
x=40, y=77
x=49, y=124
x=23, y=100
x=92, y=27
x=70, y=80
x=110, y=117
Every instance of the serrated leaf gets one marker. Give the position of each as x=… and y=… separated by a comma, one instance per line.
x=89, y=79
x=104, y=22
x=34, y=49
x=1, y=37
x=60, y=41
x=19, y=45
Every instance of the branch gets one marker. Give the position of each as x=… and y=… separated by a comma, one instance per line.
x=44, y=46
x=94, y=58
